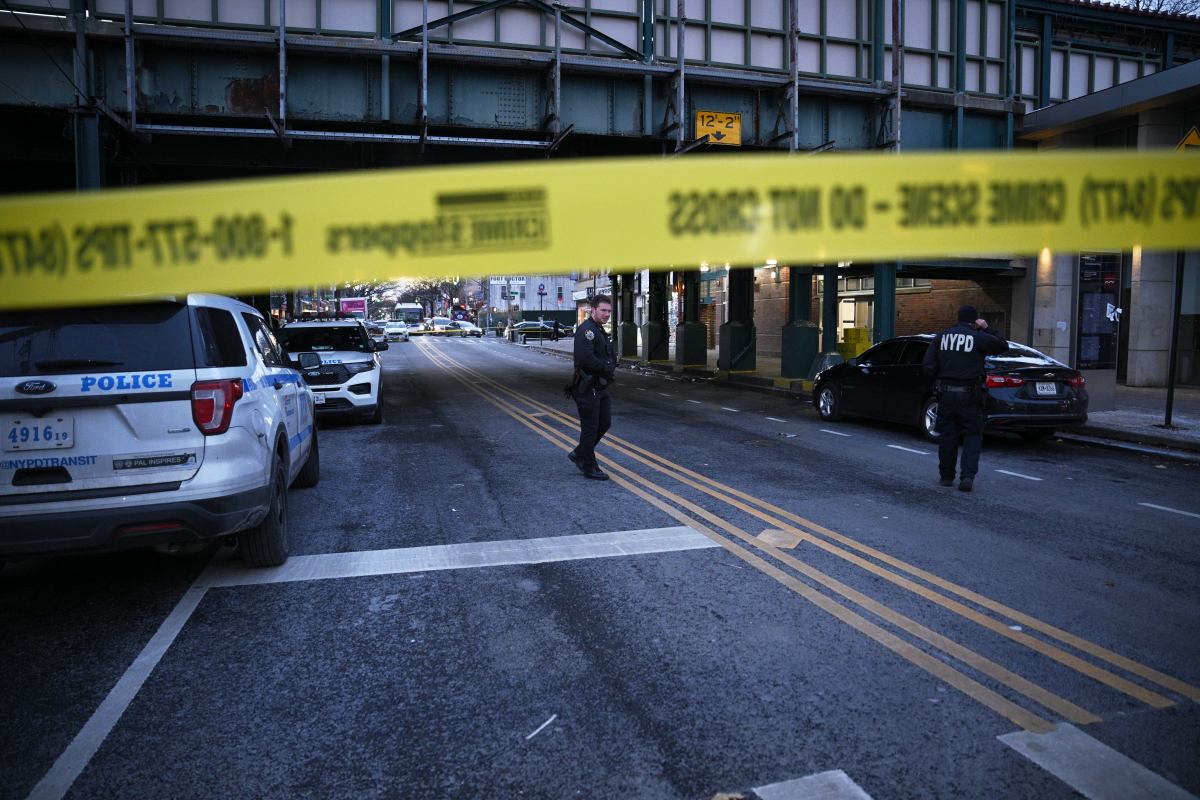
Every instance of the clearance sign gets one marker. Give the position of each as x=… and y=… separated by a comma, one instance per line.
x=539, y=217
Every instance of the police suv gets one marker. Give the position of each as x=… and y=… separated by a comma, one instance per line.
x=346, y=381
x=149, y=423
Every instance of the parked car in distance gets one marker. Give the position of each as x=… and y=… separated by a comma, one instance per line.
x=151, y=423
x=1028, y=392
x=396, y=330
x=463, y=328
x=540, y=329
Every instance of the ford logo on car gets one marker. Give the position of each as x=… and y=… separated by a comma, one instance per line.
x=36, y=387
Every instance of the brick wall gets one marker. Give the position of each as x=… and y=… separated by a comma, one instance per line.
x=933, y=310
x=770, y=312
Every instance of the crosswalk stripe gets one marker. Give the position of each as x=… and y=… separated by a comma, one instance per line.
x=831, y=785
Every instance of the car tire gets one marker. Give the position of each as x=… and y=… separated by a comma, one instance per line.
x=928, y=420
x=1037, y=434
x=310, y=473
x=376, y=417
x=829, y=402
x=266, y=544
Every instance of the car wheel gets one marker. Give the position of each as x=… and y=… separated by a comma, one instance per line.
x=266, y=544
x=829, y=404
x=1037, y=434
x=376, y=417
x=929, y=420
x=310, y=473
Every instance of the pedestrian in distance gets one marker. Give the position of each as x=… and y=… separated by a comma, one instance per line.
x=955, y=360
x=557, y=332
x=595, y=366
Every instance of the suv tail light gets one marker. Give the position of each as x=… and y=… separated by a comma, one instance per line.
x=212, y=404
x=1076, y=381
x=999, y=381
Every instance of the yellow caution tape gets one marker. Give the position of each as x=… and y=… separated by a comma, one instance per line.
x=545, y=218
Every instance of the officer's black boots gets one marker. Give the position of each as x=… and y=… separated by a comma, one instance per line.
x=596, y=474
x=965, y=484
x=946, y=481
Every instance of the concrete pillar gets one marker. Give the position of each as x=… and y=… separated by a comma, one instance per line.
x=627, y=334
x=800, y=334
x=885, y=302
x=691, y=335
x=1054, y=304
x=656, y=342
x=1151, y=301
x=736, y=342
x=89, y=156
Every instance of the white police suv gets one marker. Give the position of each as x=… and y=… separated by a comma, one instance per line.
x=347, y=380
x=149, y=423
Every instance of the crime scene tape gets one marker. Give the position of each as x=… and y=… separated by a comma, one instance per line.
x=557, y=217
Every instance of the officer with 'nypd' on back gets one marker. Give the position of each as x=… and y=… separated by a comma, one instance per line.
x=595, y=365
x=955, y=359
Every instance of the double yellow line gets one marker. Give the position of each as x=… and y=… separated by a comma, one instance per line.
x=560, y=429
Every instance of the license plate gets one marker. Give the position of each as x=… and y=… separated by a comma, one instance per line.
x=318, y=399
x=48, y=433
x=1046, y=388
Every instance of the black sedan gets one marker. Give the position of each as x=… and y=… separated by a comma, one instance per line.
x=1027, y=391
x=540, y=329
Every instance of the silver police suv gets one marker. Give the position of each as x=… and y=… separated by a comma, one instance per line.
x=150, y=423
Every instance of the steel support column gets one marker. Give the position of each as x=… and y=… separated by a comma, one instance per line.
x=737, y=340
x=800, y=335
x=829, y=310
x=691, y=335
x=385, y=61
x=656, y=341
x=627, y=332
x=897, y=68
x=89, y=155
x=1044, y=60
x=648, y=58
x=794, y=85
x=283, y=64
x=423, y=76
x=884, y=302
x=130, y=68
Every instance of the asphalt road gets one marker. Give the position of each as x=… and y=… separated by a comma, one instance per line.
x=831, y=608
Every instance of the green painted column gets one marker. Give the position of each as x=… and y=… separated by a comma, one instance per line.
x=800, y=334
x=627, y=333
x=691, y=335
x=656, y=336
x=736, y=340
x=885, y=302
x=829, y=310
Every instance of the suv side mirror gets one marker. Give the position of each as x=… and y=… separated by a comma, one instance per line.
x=309, y=360
x=852, y=362
x=381, y=345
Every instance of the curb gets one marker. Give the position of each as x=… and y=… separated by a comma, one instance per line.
x=1094, y=436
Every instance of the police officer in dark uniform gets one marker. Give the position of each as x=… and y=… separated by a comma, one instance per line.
x=955, y=360
x=595, y=364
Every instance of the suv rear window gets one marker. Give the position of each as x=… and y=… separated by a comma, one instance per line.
x=325, y=339
x=220, y=342
x=1018, y=355
x=125, y=338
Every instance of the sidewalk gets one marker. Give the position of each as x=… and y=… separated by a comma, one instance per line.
x=1137, y=419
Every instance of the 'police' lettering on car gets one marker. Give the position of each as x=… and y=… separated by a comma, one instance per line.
x=109, y=383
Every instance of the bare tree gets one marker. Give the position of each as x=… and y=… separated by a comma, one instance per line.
x=1164, y=6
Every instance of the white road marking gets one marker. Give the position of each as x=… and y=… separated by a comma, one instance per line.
x=541, y=727
x=909, y=450
x=74, y=759
x=776, y=419
x=1018, y=475
x=835, y=433
x=831, y=785
x=1091, y=768
x=734, y=410
x=1172, y=510
x=664, y=394
x=459, y=556
x=697, y=402
x=68, y=766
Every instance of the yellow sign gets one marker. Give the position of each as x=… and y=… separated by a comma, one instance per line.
x=556, y=217
x=1191, y=141
x=721, y=128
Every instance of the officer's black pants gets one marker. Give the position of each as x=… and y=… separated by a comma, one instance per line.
x=595, y=417
x=959, y=416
